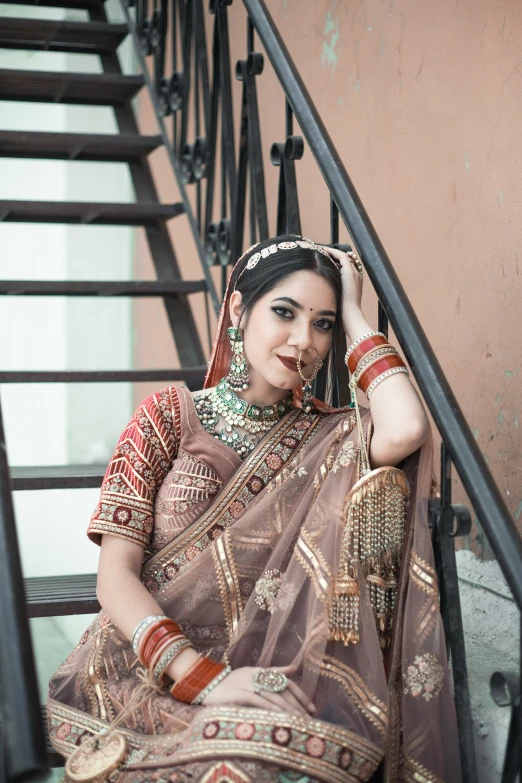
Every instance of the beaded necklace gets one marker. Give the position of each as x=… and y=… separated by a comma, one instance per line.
x=222, y=401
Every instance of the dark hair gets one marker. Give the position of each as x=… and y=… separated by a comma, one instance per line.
x=276, y=267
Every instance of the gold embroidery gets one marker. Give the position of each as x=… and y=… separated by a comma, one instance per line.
x=423, y=575
x=424, y=677
x=296, y=425
x=228, y=581
x=371, y=707
x=425, y=621
x=413, y=772
x=315, y=566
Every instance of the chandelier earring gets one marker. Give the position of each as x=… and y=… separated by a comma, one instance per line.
x=237, y=376
x=307, y=382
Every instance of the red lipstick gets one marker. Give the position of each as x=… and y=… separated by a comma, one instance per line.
x=289, y=362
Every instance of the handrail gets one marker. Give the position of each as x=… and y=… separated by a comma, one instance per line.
x=22, y=732
x=478, y=482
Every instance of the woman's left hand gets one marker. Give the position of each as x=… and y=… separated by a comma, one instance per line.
x=352, y=282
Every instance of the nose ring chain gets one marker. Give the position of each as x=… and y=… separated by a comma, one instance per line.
x=307, y=382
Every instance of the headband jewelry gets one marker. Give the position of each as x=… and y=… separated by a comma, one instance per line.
x=267, y=251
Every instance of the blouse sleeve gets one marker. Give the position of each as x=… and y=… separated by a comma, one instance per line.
x=143, y=457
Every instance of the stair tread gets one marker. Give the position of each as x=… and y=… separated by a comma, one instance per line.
x=77, y=146
x=134, y=288
x=59, y=35
x=100, y=89
x=31, y=477
x=102, y=376
x=53, y=596
x=82, y=4
x=87, y=212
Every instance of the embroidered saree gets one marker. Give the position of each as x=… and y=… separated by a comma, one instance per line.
x=246, y=556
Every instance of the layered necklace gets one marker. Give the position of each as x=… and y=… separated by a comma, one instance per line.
x=223, y=402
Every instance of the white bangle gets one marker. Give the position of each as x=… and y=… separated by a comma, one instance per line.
x=141, y=627
x=212, y=684
x=383, y=377
x=354, y=345
x=168, y=656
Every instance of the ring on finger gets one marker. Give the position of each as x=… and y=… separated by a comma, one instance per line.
x=357, y=263
x=270, y=680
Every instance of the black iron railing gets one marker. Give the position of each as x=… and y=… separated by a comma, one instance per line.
x=23, y=755
x=192, y=90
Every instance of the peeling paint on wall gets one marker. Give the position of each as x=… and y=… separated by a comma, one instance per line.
x=466, y=161
x=330, y=54
x=518, y=512
x=500, y=197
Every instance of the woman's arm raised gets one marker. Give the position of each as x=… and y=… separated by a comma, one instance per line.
x=400, y=424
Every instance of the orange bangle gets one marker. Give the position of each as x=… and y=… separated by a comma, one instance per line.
x=196, y=679
x=367, y=345
x=377, y=369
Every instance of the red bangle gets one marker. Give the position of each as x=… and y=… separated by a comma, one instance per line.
x=367, y=345
x=377, y=369
x=145, y=648
x=196, y=679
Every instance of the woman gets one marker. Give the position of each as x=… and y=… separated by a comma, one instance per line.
x=269, y=601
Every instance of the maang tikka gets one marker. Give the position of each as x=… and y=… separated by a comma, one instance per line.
x=237, y=376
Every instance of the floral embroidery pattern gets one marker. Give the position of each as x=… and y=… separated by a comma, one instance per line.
x=267, y=588
x=424, y=677
x=347, y=456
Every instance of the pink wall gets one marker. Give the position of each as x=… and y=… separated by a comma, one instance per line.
x=423, y=101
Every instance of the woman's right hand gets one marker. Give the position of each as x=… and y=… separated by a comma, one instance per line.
x=238, y=687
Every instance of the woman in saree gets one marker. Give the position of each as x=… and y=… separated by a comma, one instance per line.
x=269, y=601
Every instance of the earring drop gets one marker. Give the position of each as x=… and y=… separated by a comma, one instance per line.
x=237, y=376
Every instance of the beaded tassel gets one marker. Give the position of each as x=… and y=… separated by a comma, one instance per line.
x=373, y=539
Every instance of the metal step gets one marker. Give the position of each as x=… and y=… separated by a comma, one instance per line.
x=81, y=4
x=118, y=147
x=93, y=89
x=192, y=374
x=55, y=596
x=52, y=35
x=132, y=288
x=87, y=213
x=57, y=477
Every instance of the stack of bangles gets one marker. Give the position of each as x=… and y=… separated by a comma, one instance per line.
x=371, y=359
x=157, y=641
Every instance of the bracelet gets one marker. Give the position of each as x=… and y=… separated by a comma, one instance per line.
x=140, y=628
x=382, y=365
x=196, y=679
x=359, y=341
x=371, y=357
x=212, y=684
x=363, y=348
x=383, y=376
x=167, y=657
x=161, y=648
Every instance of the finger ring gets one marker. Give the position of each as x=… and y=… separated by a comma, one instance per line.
x=355, y=261
x=270, y=680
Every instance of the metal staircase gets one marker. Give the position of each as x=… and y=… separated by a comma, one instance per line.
x=222, y=170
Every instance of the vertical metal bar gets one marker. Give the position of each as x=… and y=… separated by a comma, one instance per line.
x=22, y=733
x=453, y=624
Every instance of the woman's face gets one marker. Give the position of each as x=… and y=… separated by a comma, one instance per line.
x=298, y=314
